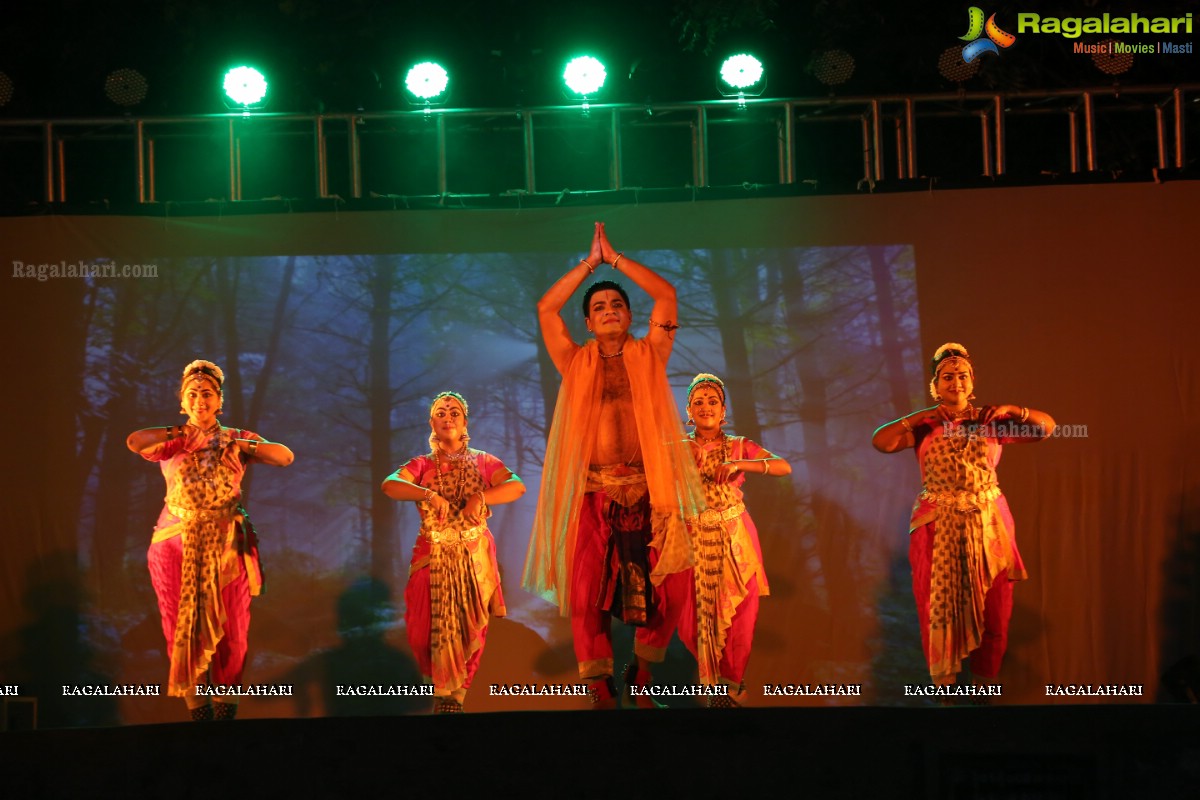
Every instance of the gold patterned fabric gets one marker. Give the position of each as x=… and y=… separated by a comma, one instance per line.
x=464, y=581
x=726, y=558
x=971, y=544
x=205, y=495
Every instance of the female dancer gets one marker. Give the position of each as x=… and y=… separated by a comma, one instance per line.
x=728, y=576
x=203, y=556
x=453, y=580
x=962, y=547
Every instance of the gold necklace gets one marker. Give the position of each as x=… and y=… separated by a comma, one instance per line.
x=724, y=453
x=462, y=473
x=210, y=478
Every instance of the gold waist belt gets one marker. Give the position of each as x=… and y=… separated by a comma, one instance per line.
x=712, y=518
x=202, y=513
x=455, y=537
x=961, y=500
x=601, y=478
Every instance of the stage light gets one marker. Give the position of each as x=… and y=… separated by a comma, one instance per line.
x=245, y=88
x=1110, y=62
x=426, y=83
x=953, y=68
x=125, y=87
x=584, y=76
x=6, y=89
x=832, y=67
x=741, y=75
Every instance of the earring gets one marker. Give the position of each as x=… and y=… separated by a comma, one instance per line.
x=466, y=437
x=691, y=421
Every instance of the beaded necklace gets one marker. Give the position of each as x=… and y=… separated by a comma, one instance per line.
x=724, y=439
x=457, y=462
x=210, y=478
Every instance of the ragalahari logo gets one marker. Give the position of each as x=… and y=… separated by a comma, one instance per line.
x=976, y=27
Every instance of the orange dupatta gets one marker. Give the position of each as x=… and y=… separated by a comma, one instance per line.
x=676, y=494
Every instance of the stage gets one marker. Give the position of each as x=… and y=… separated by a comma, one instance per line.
x=1095, y=751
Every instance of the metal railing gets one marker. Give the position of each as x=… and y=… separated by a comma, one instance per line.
x=878, y=119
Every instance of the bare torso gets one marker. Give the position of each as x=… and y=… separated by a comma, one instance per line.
x=616, y=430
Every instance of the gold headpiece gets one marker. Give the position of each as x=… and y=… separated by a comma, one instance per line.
x=462, y=401
x=202, y=368
x=703, y=378
x=950, y=354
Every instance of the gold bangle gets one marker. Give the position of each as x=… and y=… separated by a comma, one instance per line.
x=429, y=493
x=253, y=448
x=587, y=264
x=766, y=470
x=617, y=259
x=1024, y=413
x=907, y=425
x=170, y=432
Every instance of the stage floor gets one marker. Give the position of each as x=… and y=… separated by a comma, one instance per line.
x=975, y=752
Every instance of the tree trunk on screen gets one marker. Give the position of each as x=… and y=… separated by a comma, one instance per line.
x=111, y=524
x=379, y=403
x=731, y=324
x=889, y=330
x=233, y=388
x=832, y=524
x=263, y=382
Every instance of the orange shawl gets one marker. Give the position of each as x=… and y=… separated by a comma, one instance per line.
x=676, y=494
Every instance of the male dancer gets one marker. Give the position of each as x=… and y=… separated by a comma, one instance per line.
x=618, y=480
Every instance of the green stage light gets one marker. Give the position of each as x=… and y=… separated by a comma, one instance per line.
x=741, y=75
x=426, y=81
x=245, y=87
x=584, y=75
x=741, y=71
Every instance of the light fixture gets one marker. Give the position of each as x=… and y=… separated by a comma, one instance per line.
x=584, y=76
x=741, y=75
x=125, y=87
x=245, y=88
x=832, y=67
x=427, y=84
x=1109, y=61
x=953, y=68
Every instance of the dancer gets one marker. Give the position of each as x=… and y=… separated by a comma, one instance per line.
x=618, y=478
x=203, y=557
x=453, y=580
x=728, y=577
x=962, y=547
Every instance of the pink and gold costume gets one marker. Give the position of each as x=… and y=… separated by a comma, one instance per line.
x=963, y=552
x=718, y=628
x=453, y=578
x=203, y=561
